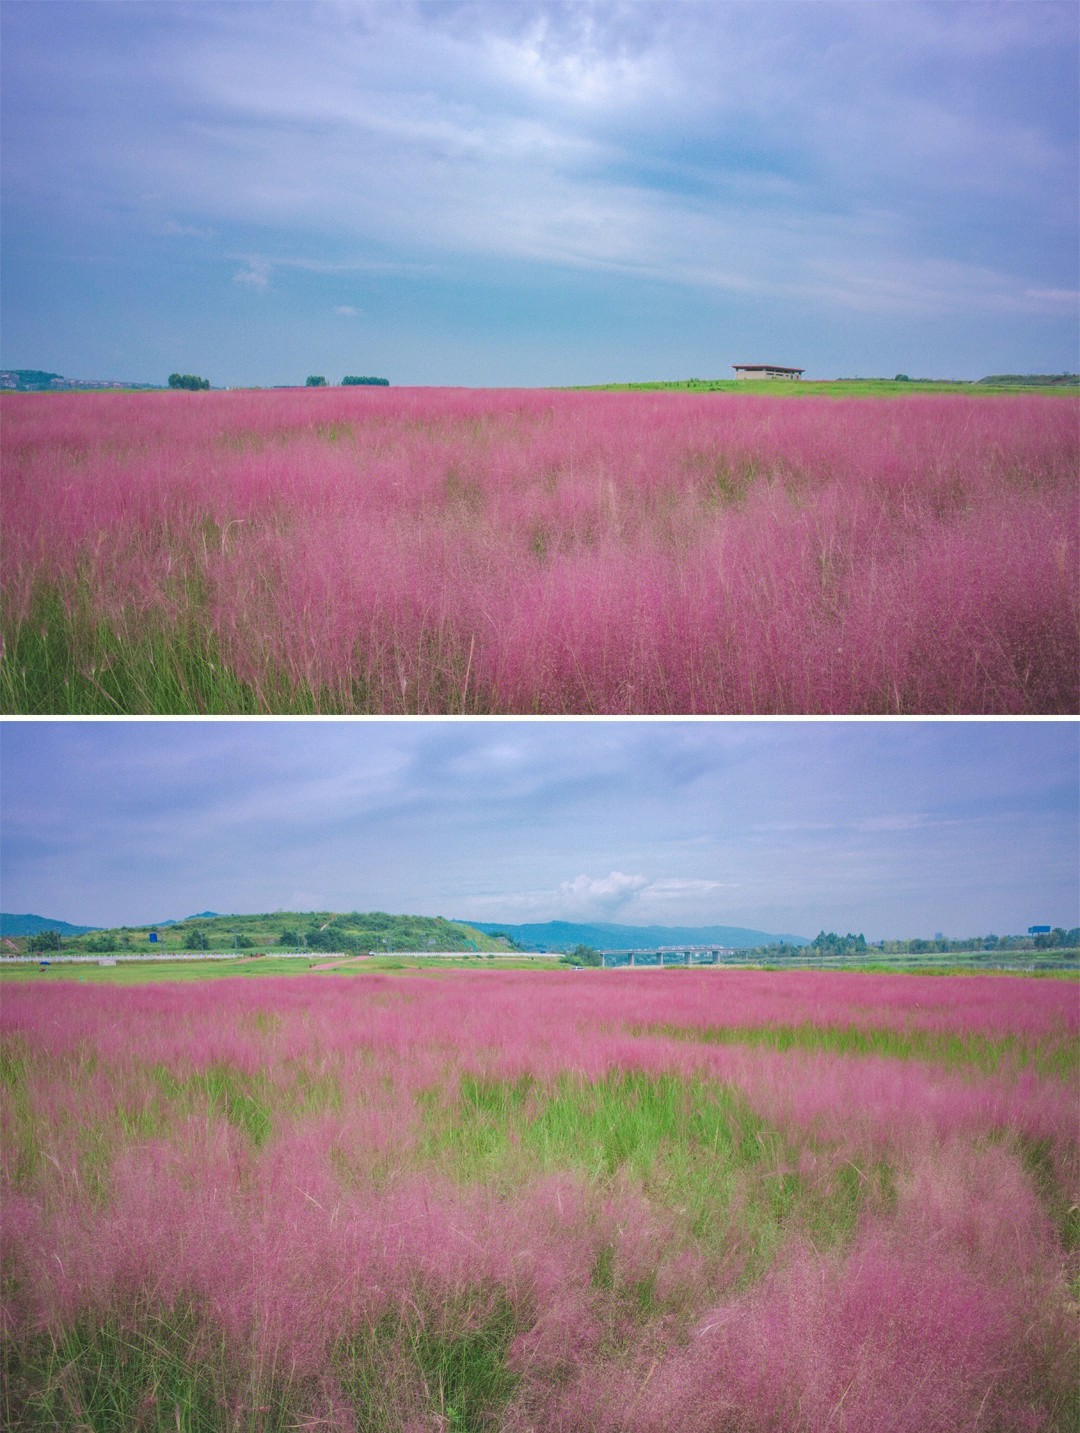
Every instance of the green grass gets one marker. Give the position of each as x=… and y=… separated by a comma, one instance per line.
x=63, y=660
x=458, y=1355
x=832, y=388
x=1038, y=1159
x=703, y=1160
x=219, y=1090
x=137, y=972
x=139, y=1375
x=1057, y=1058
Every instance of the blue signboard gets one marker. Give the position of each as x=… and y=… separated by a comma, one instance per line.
x=1038, y=930
x=153, y=935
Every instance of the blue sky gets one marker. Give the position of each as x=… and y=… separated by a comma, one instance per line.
x=519, y=194
x=890, y=828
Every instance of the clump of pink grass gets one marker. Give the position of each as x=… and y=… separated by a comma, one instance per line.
x=440, y=550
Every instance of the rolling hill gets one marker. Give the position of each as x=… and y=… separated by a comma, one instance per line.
x=353, y=933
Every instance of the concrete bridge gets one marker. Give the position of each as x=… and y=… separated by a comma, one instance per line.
x=664, y=955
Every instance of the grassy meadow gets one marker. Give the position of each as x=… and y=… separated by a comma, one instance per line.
x=442, y=550
x=601, y=1201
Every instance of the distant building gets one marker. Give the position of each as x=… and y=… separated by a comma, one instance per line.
x=765, y=370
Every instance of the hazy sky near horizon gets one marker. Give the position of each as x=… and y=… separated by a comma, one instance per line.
x=892, y=828
x=505, y=194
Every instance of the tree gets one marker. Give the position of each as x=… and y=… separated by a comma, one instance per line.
x=190, y=381
x=829, y=943
x=350, y=380
x=901, y=378
x=289, y=938
x=582, y=955
x=315, y=380
x=44, y=940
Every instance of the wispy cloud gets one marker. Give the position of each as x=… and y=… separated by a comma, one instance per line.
x=591, y=136
x=172, y=227
x=255, y=273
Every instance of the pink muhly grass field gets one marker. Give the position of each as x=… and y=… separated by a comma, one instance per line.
x=444, y=550
x=682, y=1200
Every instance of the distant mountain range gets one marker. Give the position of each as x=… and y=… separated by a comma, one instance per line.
x=564, y=935
x=12, y=925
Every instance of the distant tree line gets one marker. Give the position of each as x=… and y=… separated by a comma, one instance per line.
x=1057, y=939
x=193, y=382
x=1032, y=380
x=831, y=944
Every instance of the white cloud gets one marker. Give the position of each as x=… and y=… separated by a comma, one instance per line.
x=631, y=897
x=603, y=892
x=347, y=311
x=1066, y=301
x=255, y=273
x=676, y=890
x=578, y=66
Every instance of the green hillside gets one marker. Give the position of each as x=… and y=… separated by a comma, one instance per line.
x=354, y=933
